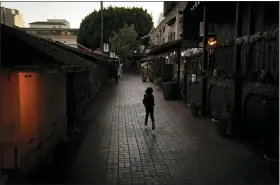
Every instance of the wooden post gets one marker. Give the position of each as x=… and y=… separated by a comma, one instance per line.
x=101, y=26
x=178, y=60
x=205, y=61
x=250, y=28
x=162, y=64
x=237, y=83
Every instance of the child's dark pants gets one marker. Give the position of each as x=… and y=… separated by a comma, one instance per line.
x=150, y=111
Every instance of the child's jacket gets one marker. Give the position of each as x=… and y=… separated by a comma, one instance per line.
x=149, y=100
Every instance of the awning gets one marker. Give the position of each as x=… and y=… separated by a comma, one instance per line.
x=165, y=47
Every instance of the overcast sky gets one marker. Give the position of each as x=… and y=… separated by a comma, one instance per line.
x=74, y=12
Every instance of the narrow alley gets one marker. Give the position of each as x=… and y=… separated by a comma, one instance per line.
x=116, y=148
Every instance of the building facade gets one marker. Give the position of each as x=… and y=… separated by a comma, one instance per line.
x=169, y=29
x=50, y=23
x=54, y=29
x=11, y=17
x=166, y=43
x=36, y=93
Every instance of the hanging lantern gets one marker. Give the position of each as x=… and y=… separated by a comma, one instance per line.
x=212, y=42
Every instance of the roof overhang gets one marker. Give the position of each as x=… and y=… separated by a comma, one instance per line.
x=36, y=53
x=165, y=47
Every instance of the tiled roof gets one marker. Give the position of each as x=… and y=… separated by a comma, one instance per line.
x=168, y=46
x=37, y=45
x=84, y=53
x=48, y=23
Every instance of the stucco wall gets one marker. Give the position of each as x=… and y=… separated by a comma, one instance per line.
x=19, y=21
x=52, y=119
x=9, y=116
x=9, y=106
x=37, y=117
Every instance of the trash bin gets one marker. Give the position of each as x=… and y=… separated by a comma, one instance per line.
x=170, y=90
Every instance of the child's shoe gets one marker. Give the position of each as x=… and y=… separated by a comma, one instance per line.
x=153, y=126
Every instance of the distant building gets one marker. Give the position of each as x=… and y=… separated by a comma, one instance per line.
x=169, y=24
x=50, y=23
x=55, y=29
x=11, y=17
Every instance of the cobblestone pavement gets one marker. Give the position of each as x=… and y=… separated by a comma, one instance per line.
x=116, y=148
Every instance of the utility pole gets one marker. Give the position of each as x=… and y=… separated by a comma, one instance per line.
x=101, y=25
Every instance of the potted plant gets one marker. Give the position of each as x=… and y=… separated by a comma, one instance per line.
x=222, y=120
x=195, y=107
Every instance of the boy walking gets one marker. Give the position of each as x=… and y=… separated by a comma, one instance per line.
x=149, y=103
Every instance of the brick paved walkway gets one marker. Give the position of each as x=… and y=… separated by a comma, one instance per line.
x=117, y=149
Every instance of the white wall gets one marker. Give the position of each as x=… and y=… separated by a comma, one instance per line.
x=60, y=20
x=68, y=40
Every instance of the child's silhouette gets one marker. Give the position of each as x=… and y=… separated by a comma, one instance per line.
x=149, y=103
